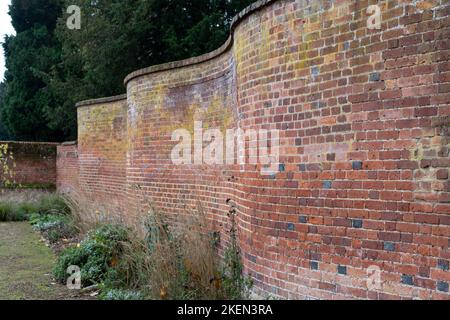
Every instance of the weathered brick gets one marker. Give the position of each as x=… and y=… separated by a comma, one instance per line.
x=363, y=158
x=28, y=164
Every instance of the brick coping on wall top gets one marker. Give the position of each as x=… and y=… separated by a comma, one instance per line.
x=30, y=142
x=101, y=100
x=186, y=62
x=69, y=143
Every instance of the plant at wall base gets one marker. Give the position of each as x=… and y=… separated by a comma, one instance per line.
x=96, y=256
x=36, y=211
x=176, y=258
x=186, y=264
x=183, y=259
x=53, y=227
x=236, y=285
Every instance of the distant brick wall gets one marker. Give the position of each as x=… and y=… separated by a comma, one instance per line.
x=28, y=164
x=364, y=120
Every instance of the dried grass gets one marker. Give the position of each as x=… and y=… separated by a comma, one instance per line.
x=21, y=196
x=176, y=258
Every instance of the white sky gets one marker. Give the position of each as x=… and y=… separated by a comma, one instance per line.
x=5, y=28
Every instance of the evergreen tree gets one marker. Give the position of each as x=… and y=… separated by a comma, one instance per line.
x=4, y=135
x=51, y=67
x=30, y=56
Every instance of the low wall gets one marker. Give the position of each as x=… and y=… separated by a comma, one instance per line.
x=28, y=164
x=361, y=190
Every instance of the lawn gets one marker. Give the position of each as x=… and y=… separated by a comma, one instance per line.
x=26, y=265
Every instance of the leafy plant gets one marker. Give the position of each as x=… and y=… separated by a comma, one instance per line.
x=53, y=227
x=96, y=256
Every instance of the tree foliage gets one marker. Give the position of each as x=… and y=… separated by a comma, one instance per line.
x=51, y=67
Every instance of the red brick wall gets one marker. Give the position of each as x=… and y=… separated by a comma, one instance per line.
x=67, y=168
x=28, y=164
x=364, y=125
x=102, y=148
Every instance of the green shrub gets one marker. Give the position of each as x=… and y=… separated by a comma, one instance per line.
x=51, y=204
x=53, y=227
x=72, y=256
x=11, y=212
x=96, y=256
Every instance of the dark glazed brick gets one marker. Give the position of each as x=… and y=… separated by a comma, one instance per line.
x=389, y=246
x=315, y=71
x=342, y=270
x=357, y=165
x=375, y=76
x=314, y=265
x=407, y=279
x=251, y=258
x=318, y=104
x=303, y=219
x=327, y=184
x=443, y=265
x=291, y=227
x=281, y=167
x=358, y=224
x=442, y=286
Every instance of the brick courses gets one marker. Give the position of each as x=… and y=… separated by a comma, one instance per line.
x=364, y=120
x=28, y=164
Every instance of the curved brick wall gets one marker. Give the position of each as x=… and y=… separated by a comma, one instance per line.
x=363, y=117
x=101, y=151
x=164, y=101
x=67, y=167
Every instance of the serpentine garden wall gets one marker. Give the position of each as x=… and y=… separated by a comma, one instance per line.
x=359, y=206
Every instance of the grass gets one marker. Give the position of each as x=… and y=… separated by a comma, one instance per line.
x=26, y=265
x=12, y=212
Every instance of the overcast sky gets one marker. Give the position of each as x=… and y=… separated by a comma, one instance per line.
x=5, y=28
